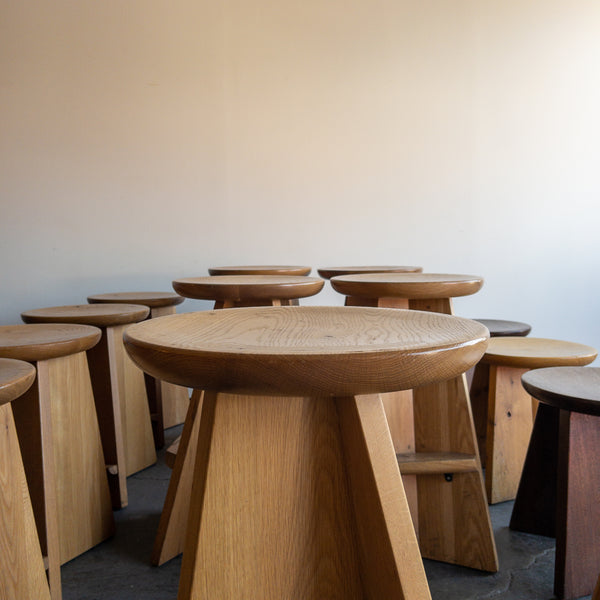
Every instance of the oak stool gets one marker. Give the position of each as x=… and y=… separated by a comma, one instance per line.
x=261, y=270
x=510, y=409
x=234, y=291
x=22, y=574
x=433, y=429
x=227, y=291
x=119, y=388
x=60, y=442
x=559, y=492
x=297, y=493
x=168, y=402
x=478, y=378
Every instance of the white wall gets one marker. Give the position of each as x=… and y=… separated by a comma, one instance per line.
x=144, y=140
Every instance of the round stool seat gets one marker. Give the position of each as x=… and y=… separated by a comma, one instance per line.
x=150, y=299
x=568, y=388
x=99, y=315
x=407, y=285
x=331, y=351
x=247, y=288
x=329, y=272
x=16, y=377
x=44, y=341
x=261, y=270
x=534, y=353
x=501, y=328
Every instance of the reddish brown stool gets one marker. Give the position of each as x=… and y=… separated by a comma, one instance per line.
x=509, y=409
x=119, y=388
x=433, y=429
x=168, y=402
x=22, y=575
x=227, y=291
x=60, y=442
x=559, y=492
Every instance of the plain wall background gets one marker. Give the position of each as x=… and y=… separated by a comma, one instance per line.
x=143, y=140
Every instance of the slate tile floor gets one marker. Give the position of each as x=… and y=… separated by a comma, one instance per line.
x=119, y=568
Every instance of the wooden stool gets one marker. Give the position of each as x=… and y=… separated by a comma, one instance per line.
x=510, y=409
x=478, y=377
x=227, y=291
x=22, y=574
x=596, y=595
x=261, y=270
x=119, y=389
x=559, y=493
x=329, y=272
x=168, y=402
x=433, y=430
x=297, y=493
x=60, y=443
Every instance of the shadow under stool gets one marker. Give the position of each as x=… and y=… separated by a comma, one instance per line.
x=226, y=291
x=119, y=389
x=559, y=492
x=509, y=410
x=60, y=442
x=168, y=403
x=297, y=491
x=432, y=428
x=23, y=574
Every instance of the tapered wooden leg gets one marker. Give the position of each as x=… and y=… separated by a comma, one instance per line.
x=276, y=513
x=534, y=510
x=174, y=399
x=479, y=394
x=578, y=506
x=22, y=574
x=390, y=561
x=509, y=428
x=110, y=422
x=170, y=536
x=130, y=386
x=454, y=521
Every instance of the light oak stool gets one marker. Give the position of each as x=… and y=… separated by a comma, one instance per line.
x=60, y=442
x=478, y=378
x=297, y=492
x=227, y=291
x=168, y=402
x=559, y=493
x=329, y=272
x=22, y=574
x=432, y=428
x=234, y=291
x=510, y=409
x=119, y=389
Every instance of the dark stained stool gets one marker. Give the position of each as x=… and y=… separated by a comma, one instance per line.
x=297, y=493
x=261, y=270
x=478, y=378
x=510, y=409
x=168, y=402
x=227, y=291
x=596, y=595
x=119, y=388
x=432, y=428
x=60, y=442
x=559, y=492
x=22, y=575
